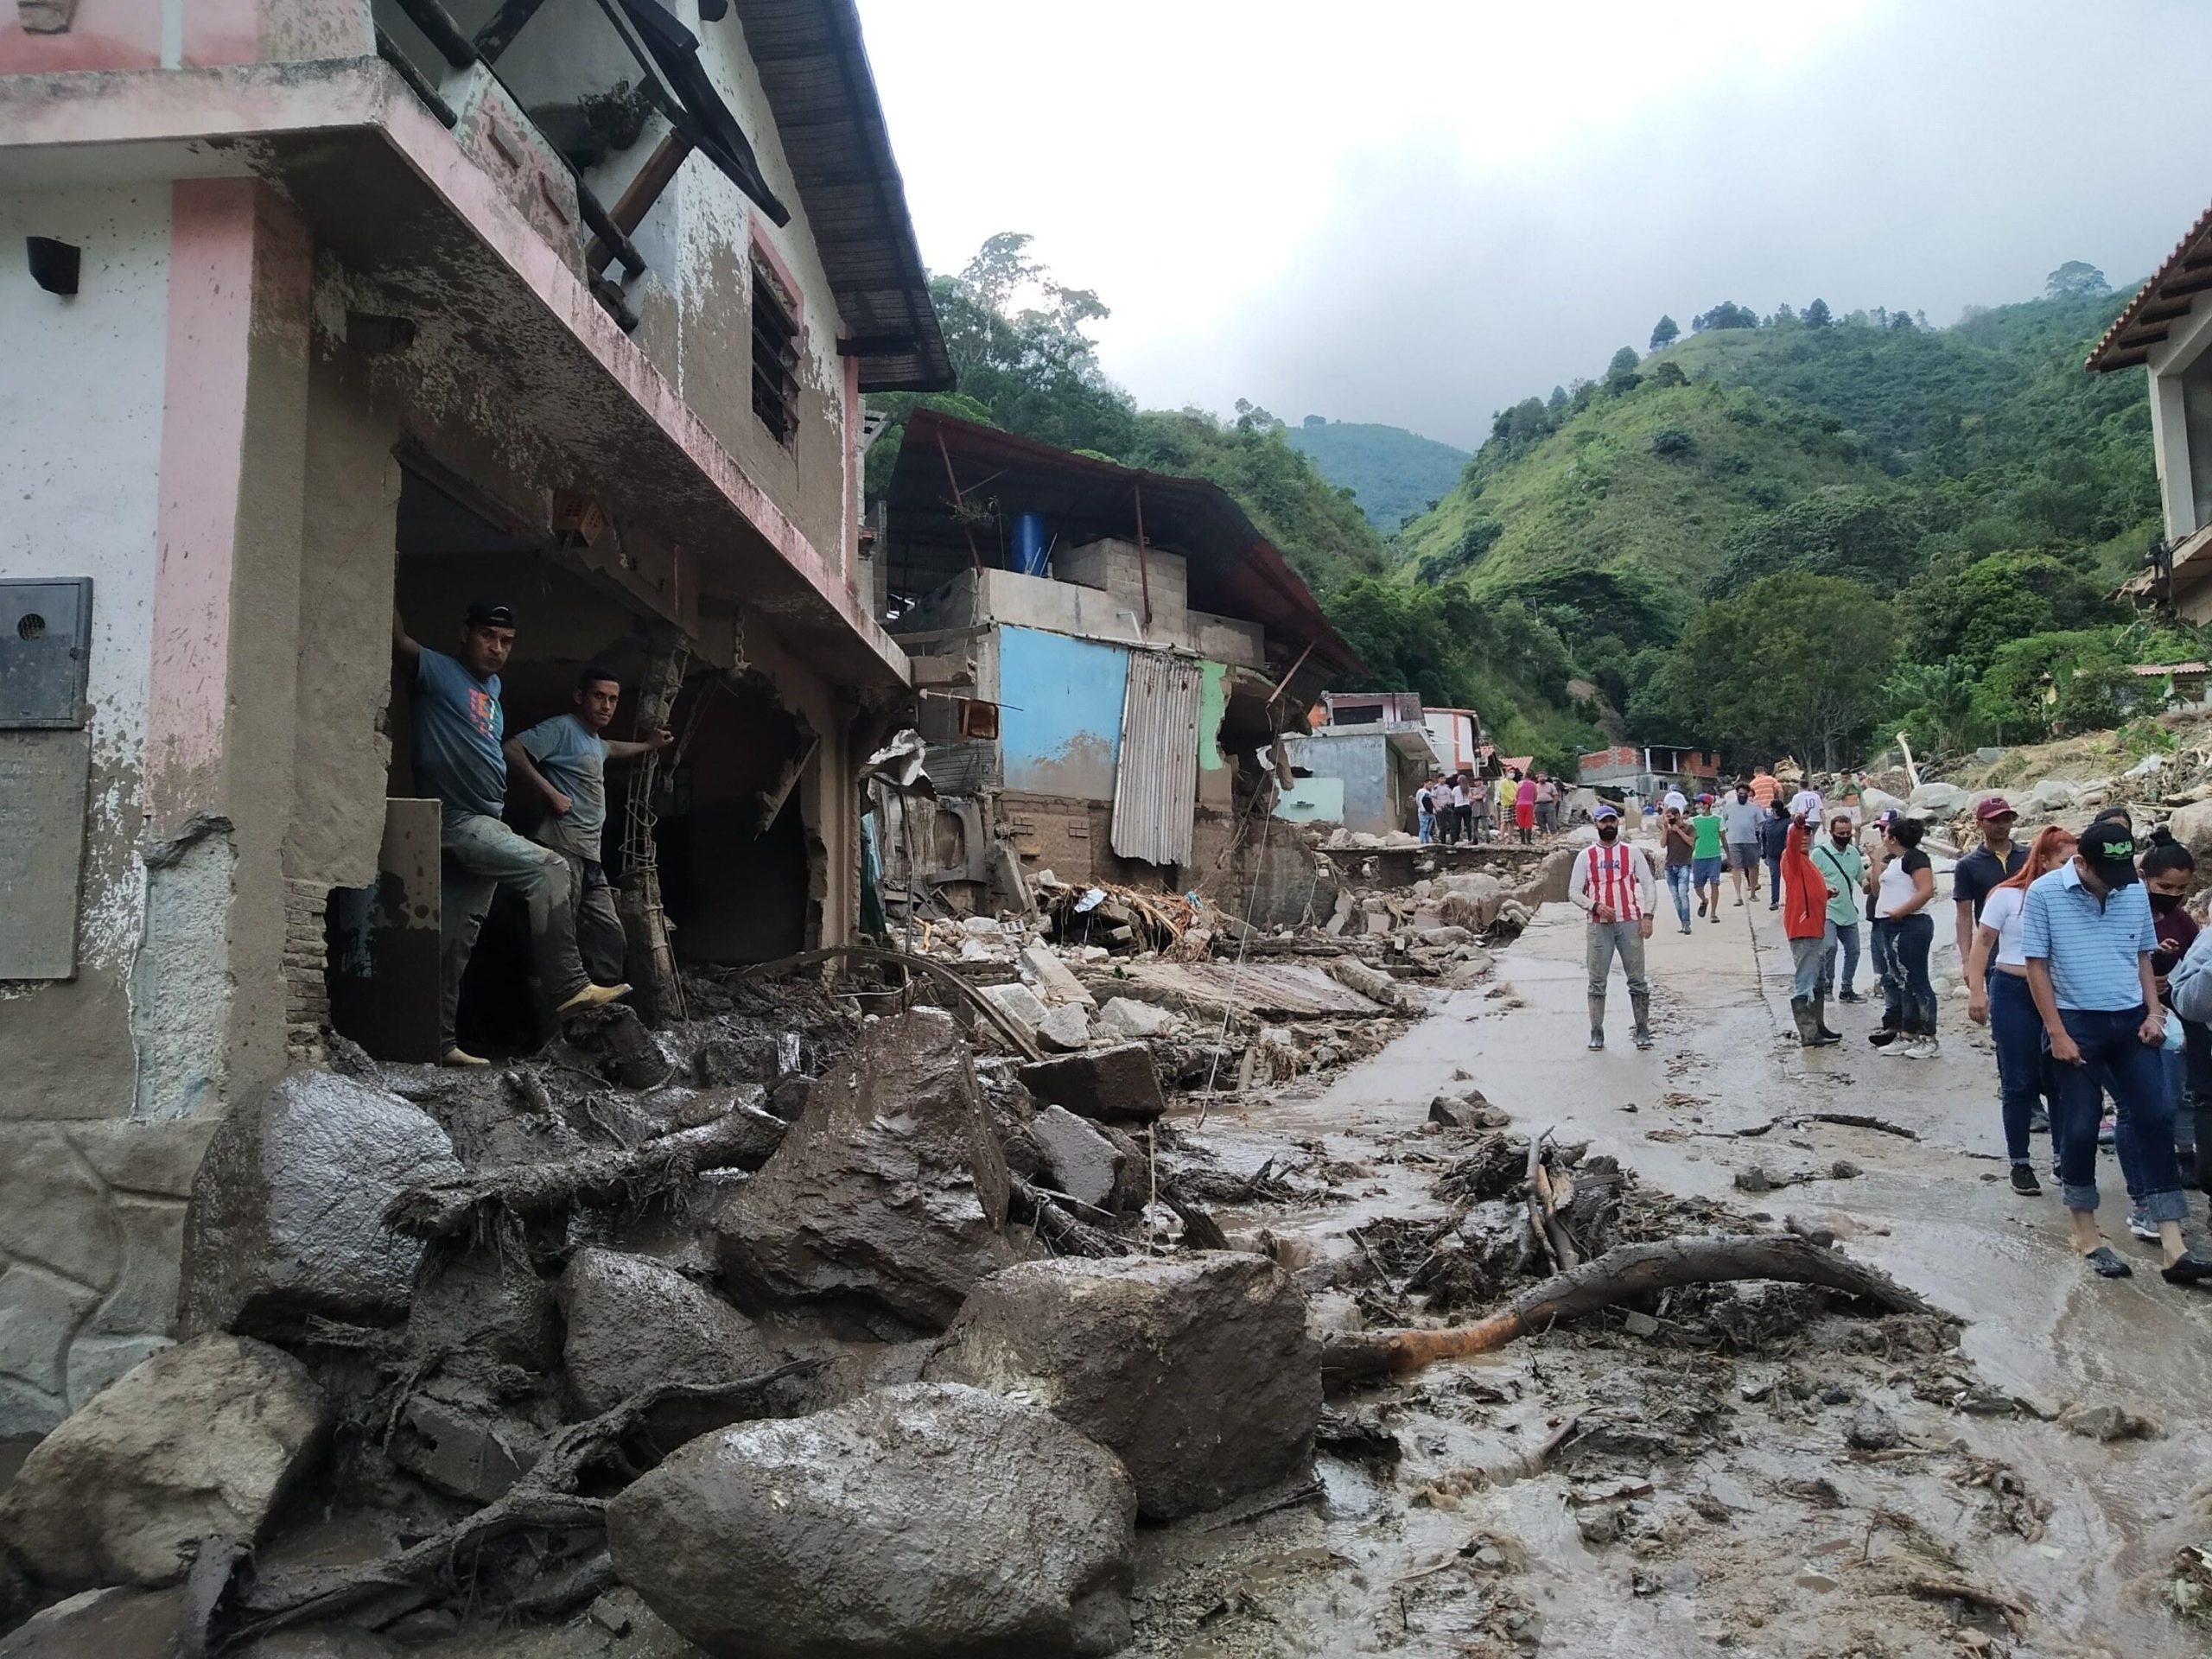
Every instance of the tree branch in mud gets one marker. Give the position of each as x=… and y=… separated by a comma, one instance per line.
x=742, y=1140
x=1001, y=1020
x=1058, y=1226
x=545, y=1498
x=1628, y=1271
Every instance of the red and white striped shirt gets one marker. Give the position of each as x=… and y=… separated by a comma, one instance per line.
x=1616, y=876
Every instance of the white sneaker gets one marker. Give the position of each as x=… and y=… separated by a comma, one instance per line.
x=1901, y=1047
x=1925, y=1048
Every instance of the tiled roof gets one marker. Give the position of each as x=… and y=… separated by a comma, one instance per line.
x=2163, y=301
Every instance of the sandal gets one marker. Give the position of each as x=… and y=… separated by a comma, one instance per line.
x=2190, y=1270
x=2107, y=1264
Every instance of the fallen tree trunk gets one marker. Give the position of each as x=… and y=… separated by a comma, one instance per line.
x=545, y=1498
x=1628, y=1271
x=742, y=1140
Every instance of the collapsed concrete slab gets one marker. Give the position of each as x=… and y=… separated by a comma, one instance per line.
x=1041, y=967
x=200, y=1442
x=929, y=1521
x=633, y=1324
x=1197, y=1371
x=891, y=1188
x=286, y=1218
x=1114, y=1085
x=1078, y=1159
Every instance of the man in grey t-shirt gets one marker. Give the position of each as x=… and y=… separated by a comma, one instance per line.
x=1740, y=826
x=564, y=759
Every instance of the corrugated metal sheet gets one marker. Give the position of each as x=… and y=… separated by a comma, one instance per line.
x=1156, y=783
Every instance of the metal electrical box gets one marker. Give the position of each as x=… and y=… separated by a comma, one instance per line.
x=46, y=642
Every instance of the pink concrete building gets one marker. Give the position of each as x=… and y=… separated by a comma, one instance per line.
x=308, y=308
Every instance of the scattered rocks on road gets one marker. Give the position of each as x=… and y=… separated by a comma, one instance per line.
x=1114, y=1085
x=200, y=1442
x=1197, y=1371
x=890, y=1189
x=928, y=1522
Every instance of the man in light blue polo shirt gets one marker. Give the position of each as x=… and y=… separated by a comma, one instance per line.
x=2088, y=937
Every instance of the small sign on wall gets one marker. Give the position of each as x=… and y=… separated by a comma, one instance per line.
x=46, y=644
x=45, y=630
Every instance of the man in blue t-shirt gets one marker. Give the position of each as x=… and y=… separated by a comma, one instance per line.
x=564, y=761
x=458, y=723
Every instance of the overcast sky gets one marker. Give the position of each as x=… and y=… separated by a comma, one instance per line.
x=1420, y=211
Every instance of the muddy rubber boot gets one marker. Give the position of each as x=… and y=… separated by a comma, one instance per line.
x=1597, y=1022
x=1640, y=1001
x=1801, y=1011
x=1820, y=1020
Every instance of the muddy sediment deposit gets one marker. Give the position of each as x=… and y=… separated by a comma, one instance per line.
x=811, y=1327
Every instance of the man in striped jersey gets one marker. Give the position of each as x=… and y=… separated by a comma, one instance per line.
x=1612, y=881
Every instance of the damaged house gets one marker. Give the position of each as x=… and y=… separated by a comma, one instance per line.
x=311, y=308
x=1103, y=656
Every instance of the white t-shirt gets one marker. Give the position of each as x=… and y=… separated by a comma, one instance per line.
x=1897, y=885
x=1459, y=795
x=1807, y=803
x=2002, y=911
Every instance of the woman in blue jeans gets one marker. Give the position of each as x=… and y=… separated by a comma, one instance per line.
x=1903, y=935
x=1998, y=996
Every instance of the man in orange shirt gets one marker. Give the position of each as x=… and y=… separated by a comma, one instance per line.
x=1765, y=787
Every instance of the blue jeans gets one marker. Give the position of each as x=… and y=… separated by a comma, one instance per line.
x=1848, y=938
x=2116, y=1061
x=1678, y=883
x=1908, y=995
x=1773, y=880
x=2022, y=1058
x=1428, y=828
x=1877, y=951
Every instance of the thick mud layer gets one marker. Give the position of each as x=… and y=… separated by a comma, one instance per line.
x=1749, y=1471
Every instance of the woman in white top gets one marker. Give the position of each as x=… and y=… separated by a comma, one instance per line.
x=1997, y=996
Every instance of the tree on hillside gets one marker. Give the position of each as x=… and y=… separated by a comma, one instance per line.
x=1726, y=314
x=1665, y=332
x=2076, y=279
x=1314, y=420
x=1796, y=663
x=1840, y=530
x=1555, y=405
x=1250, y=417
x=1620, y=373
x=1968, y=611
x=1817, y=314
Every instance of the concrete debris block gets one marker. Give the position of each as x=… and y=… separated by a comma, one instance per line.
x=1375, y=918
x=200, y=1442
x=1020, y=1004
x=1934, y=800
x=890, y=1187
x=929, y=1521
x=1064, y=1030
x=1468, y=1109
x=975, y=950
x=286, y=1218
x=1197, y=1371
x=2108, y=1423
x=449, y=1435
x=1443, y=938
x=1041, y=969
x=1340, y=914
x=1078, y=1159
x=1114, y=1085
x=1125, y=1017
x=633, y=1324
x=982, y=927
x=112, y=1623
x=1370, y=983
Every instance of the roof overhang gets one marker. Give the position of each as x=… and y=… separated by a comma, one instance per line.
x=2172, y=292
x=1234, y=570
x=388, y=191
x=814, y=70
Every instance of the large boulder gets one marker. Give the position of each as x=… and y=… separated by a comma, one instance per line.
x=890, y=1187
x=1078, y=1159
x=1114, y=1085
x=1873, y=802
x=286, y=1219
x=1548, y=884
x=2052, y=795
x=926, y=1521
x=633, y=1324
x=200, y=1442
x=1197, y=1371
x=1934, y=800
x=2192, y=828
x=112, y=1624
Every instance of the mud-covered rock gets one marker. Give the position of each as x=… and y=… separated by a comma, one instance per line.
x=320, y=1642
x=485, y=1298
x=633, y=1324
x=1114, y=1085
x=200, y=1442
x=1197, y=1371
x=1065, y=1029
x=890, y=1189
x=921, y=1522
x=1078, y=1160
x=286, y=1218
x=451, y=1434
x=110, y=1624
x=1124, y=1018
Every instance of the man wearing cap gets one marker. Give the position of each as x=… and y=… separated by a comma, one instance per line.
x=458, y=725
x=2087, y=936
x=1612, y=880
x=1983, y=871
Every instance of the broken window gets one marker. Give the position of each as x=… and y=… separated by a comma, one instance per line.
x=775, y=354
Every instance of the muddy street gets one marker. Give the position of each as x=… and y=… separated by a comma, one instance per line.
x=1756, y=1525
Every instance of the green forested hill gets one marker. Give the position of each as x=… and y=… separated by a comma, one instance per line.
x=1913, y=465
x=1393, y=473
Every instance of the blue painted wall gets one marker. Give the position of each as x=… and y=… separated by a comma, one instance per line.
x=1061, y=718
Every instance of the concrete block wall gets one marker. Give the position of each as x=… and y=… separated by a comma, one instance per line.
x=1127, y=575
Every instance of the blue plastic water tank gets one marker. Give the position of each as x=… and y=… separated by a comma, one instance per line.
x=1029, y=543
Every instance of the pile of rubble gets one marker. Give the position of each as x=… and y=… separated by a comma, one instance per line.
x=887, y=1355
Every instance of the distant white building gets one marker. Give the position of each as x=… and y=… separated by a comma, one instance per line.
x=2167, y=327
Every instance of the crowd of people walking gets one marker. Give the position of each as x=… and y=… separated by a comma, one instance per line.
x=1521, y=803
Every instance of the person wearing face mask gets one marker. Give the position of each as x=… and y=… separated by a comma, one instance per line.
x=1843, y=868
x=1681, y=843
x=1612, y=881
x=2168, y=868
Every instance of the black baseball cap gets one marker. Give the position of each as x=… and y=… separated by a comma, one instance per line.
x=2109, y=849
x=490, y=614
